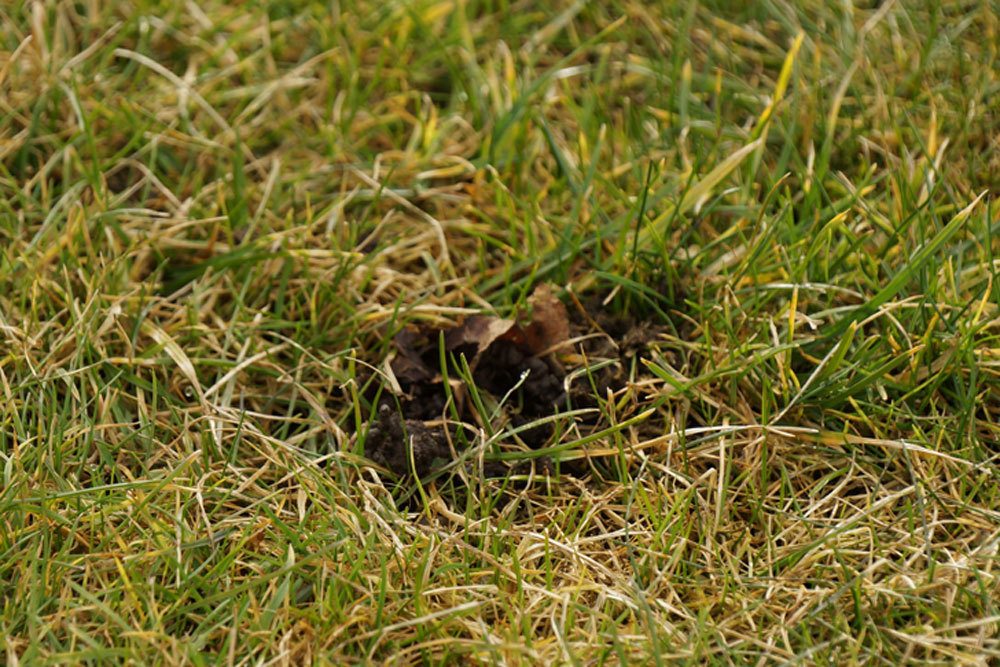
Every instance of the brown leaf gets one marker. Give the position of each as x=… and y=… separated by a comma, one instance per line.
x=478, y=332
x=549, y=321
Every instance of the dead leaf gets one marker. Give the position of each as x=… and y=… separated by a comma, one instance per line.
x=549, y=320
x=478, y=332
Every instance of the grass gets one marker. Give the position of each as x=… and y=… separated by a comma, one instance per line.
x=213, y=218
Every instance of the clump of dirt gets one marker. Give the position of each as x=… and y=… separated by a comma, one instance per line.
x=391, y=442
x=516, y=361
x=541, y=390
x=504, y=357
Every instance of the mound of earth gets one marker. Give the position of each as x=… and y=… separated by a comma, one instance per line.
x=518, y=372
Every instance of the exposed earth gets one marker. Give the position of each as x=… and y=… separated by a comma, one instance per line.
x=519, y=371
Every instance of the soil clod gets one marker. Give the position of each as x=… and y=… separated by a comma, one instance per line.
x=392, y=441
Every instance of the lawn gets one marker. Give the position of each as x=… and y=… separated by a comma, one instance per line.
x=696, y=304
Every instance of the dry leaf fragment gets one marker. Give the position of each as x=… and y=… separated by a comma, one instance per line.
x=477, y=332
x=549, y=320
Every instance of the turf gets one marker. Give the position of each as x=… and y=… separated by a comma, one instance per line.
x=214, y=217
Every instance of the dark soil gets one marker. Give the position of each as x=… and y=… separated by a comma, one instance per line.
x=391, y=440
x=609, y=336
x=506, y=359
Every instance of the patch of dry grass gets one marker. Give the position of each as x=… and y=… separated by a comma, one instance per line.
x=213, y=219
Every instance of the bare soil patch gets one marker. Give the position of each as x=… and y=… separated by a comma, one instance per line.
x=521, y=370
